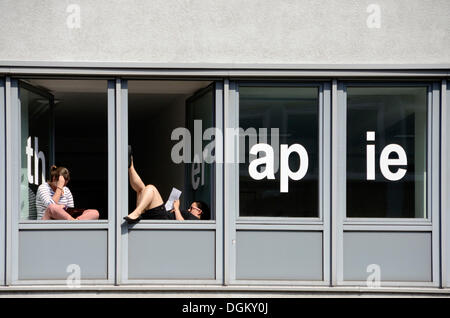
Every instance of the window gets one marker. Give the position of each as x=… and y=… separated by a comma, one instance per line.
x=386, y=152
x=162, y=115
x=286, y=183
x=64, y=123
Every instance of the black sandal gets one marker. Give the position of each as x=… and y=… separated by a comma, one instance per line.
x=132, y=221
x=130, y=156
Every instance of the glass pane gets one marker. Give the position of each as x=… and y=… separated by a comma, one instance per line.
x=36, y=151
x=386, y=152
x=73, y=136
x=279, y=117
x=199, y=180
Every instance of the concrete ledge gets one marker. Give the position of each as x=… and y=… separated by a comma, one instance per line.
x=218, y=291
x=240, y=66
x=135, y=69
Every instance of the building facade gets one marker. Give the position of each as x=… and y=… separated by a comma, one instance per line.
x=315, y=131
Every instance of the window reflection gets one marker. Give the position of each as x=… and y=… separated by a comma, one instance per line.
x=277, y=116
x=394, y=116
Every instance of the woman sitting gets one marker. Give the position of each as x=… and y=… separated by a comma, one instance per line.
x=53, y=198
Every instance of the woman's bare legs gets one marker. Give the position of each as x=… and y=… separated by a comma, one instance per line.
x=135, y=181
x=147, y=197
x=90, y=214
x=56, y=212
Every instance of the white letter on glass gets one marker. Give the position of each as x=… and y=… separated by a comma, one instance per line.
x=285, y=171
x=370, y=156
x=267, y=160
x=385, y=162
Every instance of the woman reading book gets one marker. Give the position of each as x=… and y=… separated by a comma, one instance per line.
x=150, y=205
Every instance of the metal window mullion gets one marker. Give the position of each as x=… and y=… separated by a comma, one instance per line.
x=121, y=179
x=218, y=186
x=2, y=183
x=231, y=178
x=325, y=146
x=435, y=183
x=338, y=192
x=112, y=257
x=445, y=182
x=226, y=181
x=121, y=182
x=12, y=179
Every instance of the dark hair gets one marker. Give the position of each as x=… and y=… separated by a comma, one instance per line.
x=55, y=172
x=206, y=213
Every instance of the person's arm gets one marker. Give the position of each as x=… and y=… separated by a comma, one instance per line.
x=59, y=189
x=43, y=196
x=176, y=206
x=70, y=203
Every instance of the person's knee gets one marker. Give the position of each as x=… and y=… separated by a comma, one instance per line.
x=151, y=187
x=94, y=214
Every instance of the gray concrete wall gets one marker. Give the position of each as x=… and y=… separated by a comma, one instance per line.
x=227, y=31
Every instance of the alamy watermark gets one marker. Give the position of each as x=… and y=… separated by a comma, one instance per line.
x=74, y=278
x=374, y=279
x=374, y=19
x=73, y=20
x=267, y=155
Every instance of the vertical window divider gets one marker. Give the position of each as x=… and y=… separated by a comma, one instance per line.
x=338, y=146
x=231, y=180
x=121, y=179
x=444, y=183
x=2, y=183
x=12, y=178
x=326, y=180
x=112, y=194
x=435, y=186
x=226, y=218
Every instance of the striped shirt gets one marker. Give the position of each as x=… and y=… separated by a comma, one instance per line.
x=44, y=197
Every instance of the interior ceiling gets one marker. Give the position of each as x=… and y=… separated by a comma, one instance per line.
x=166, y=87
x=57, y=86
x=74, y=97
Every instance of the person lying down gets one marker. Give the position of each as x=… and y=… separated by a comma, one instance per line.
x=150, y=205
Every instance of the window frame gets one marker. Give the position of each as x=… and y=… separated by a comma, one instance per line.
x=217, y=89
x=235, y=224
x=55, y=224
x=323, y=150
x=342, y=224
x=432, y=134
x=14, y=224
x=216, y=225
